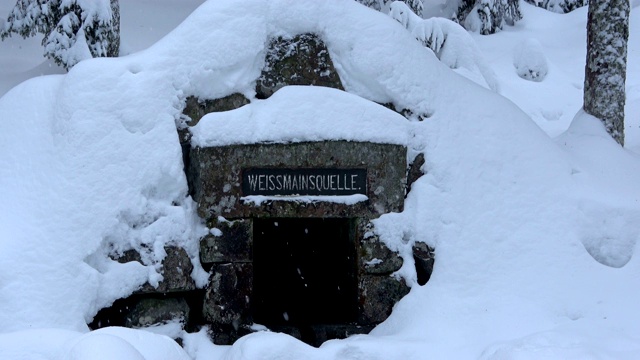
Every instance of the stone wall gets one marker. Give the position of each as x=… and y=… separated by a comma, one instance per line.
x=216, y=181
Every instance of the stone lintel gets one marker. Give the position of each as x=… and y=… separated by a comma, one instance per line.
x=216, y=174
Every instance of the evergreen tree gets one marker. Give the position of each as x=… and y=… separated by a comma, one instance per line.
x=487, y=16
x=73, y=30
x=559, y=6
x=374, y=4
x=416, y=6
x=449, y=41
x=383, y=5
x=606, y=68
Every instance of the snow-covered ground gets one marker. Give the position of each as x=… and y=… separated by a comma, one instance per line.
x=535, y=230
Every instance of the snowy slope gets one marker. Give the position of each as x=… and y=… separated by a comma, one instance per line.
x=553, y=102
x=535, y=236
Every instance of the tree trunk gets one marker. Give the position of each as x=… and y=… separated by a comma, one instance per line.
x=114, y=36
x=606, y=68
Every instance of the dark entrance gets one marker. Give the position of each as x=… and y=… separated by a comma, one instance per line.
x=304, y=272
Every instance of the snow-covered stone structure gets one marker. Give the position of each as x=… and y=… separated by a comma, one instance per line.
x=296, y=262
x=292, y=246
x=288, y=198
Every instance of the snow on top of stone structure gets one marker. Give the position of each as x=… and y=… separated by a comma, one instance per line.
x=294, y=114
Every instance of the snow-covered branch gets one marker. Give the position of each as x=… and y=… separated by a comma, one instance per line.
x=73, y=30
x=449, y=41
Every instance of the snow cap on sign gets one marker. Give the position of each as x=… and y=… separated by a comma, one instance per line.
x=294, y=114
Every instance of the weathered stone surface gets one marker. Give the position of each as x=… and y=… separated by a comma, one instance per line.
x=225, y=334
x=301, y=60
x=378, y=294
x=234, y=244
x=195, y=109
x=151, y=311
x=216, y=176
x=176, y=270
x=227, y=304
x=375, y=257
x=424, y=259
x=184, y=136
x=414, y=171
x=227, y=299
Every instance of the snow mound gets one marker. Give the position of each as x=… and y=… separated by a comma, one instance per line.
x=148, y=345
x=529, y=60
x=107, y=343
x=608, y=204
x=103, y=347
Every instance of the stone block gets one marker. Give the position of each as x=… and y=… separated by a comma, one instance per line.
x=378, y=295
x=301, y=60
x=176, y=271
x=424, y=258
x=224, y=334
x=149, y=311
x=376, y=258
x=415, y=171
x=227, y=298
x=234, y=244
x=196, y=108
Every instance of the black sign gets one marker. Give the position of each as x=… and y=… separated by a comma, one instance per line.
x=304, y=181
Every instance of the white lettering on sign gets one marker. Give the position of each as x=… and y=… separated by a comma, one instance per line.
x=304, y=181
